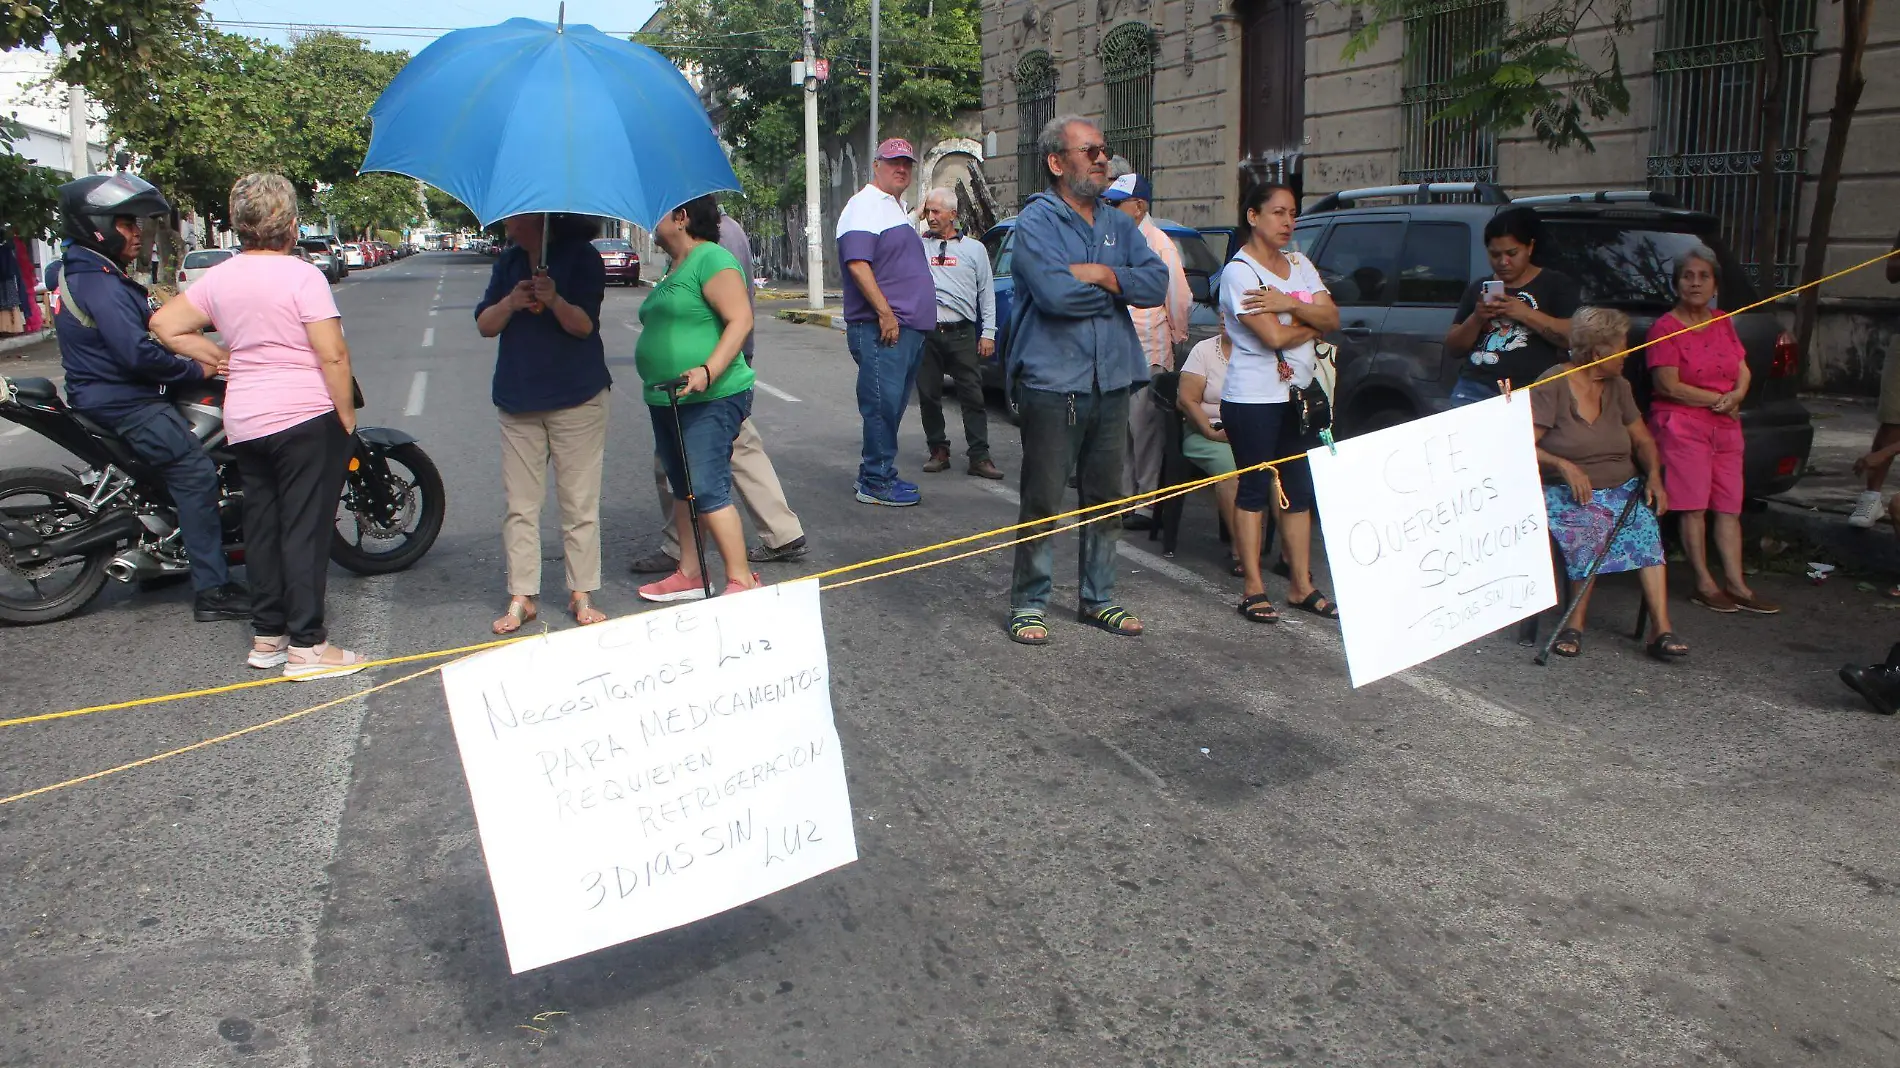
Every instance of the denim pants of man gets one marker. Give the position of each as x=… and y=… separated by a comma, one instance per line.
x=1063, y=432
x=160, y=437
x=886, y=376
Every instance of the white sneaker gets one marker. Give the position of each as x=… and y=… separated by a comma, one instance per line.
x=1867, y=510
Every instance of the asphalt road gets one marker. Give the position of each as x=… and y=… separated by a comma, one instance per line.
x=1196, y=848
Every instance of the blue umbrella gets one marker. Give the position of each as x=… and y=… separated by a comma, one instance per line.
x=532, y=116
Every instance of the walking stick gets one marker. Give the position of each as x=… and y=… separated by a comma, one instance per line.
x=673, y=389
x=1590, y=580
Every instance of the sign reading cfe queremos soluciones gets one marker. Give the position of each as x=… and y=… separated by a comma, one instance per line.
x=1435, y=533
x=645, y=772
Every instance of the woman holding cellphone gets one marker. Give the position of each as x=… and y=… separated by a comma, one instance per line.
x=1515, y=325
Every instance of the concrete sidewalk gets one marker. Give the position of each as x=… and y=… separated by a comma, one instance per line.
x=1816, y=510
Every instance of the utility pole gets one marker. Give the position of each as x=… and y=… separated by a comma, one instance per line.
x=78, y=129
x=814, y=210
x=876, y=20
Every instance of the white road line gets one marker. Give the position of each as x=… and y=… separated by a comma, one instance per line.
x=428, y=337
x=418, y=392
x=1455, y=697
x=14, y=433
x=631, y=325
x=432, y=311
x=776, y=392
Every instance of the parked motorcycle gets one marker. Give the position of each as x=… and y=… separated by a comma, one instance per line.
x=63, y=533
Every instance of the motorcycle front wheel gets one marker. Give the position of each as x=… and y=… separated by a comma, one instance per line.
x=391, y=511
x=36, y=497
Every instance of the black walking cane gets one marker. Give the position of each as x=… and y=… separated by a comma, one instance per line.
x=1589, y=581
x=673, y=388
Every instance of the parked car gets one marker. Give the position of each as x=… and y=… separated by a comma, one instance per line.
x=622, y=262
x=1197, y=262
x=317, y=250
x=353, y=255
x=197, y=262
x=1398, y=259
x=335, y=246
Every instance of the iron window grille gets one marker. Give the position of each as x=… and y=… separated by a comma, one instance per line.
x=1035, y=106
x=1442, y=43
x=1707, y=142
x=1128, y=70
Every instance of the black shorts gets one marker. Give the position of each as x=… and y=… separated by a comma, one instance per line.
x=1262, y=432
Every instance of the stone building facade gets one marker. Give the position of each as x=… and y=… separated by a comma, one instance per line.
x=1241, y=89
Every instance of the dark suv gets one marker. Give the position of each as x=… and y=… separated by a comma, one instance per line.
x=1398, y=258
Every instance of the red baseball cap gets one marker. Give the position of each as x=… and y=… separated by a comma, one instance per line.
x=896, y=148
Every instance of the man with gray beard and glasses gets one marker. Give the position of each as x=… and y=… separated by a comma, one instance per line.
x=1073, y=360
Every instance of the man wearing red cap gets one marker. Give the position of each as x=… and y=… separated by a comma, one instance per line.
x=890, y=303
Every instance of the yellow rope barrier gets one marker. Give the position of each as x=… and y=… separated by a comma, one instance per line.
x=1107, y=509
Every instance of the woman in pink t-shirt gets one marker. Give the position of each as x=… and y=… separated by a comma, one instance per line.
x=1700, y=377
x=288, y=414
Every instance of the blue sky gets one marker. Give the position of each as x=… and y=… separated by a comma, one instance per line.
x=612, y=15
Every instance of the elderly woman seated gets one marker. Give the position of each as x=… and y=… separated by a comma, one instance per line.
x=1590, y=440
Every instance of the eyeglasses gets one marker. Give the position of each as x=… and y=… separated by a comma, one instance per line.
x=1093, y=152
x=943, y=252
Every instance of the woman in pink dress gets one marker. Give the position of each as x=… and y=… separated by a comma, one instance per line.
x=1700, y=377
x=289, y=414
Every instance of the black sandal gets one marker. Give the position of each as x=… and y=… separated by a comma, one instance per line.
x=1668, y=648
x=1569, y=642
x=1259, y=609
x=1110, y=617
x=1022, y=621
x=1311, y=603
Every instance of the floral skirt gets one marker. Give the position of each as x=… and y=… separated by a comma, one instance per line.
x=1581, y=529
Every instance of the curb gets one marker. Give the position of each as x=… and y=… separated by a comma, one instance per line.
x=20, y=341
x=1875, y=549
x=833, y=319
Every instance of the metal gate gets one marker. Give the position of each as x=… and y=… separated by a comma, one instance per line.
x=1035, y=106
x=1441, y=44
x=1128, y=68
x=1707, y=143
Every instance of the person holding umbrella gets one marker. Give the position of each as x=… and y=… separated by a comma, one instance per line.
x=693, y=328
x=550, y=391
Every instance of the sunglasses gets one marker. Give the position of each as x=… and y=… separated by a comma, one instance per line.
x=1093, y=152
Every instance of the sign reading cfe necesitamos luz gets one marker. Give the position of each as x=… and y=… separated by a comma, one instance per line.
x=652, y=770
x=1435, y=533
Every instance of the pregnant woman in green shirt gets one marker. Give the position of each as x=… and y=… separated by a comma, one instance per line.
x=695, y=323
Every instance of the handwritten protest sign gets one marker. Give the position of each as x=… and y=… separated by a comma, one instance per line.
x=648, y=771
x=1435, y=533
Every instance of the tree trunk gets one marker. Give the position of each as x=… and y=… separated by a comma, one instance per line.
x=1856, y=19
x=1768, y=175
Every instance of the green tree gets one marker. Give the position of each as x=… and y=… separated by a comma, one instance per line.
x=931, y=61
x=118, y=41
x=29, y=194
x=448, y=212
x=212, y=115
x=372, y=202
x=1529, y=73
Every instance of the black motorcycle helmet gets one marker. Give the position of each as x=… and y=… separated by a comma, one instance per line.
x=88, y=207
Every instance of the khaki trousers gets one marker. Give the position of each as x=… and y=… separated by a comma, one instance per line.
x=754, y=482
x=1147, y=443
x=574, y=440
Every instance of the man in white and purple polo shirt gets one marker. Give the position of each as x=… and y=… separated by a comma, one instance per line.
x=890, y=303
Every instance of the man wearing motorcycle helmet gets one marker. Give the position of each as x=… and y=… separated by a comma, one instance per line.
x=116, y=373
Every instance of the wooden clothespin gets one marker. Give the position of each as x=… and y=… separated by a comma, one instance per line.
x=1506, y=383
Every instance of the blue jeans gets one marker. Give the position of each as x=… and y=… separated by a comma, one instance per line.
x=1064, y=432
x=160, y=437
x=708, y=429
x=1471, y=391
x=886, y=376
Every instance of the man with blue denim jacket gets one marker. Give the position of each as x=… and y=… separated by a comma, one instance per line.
x=1073, y=361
